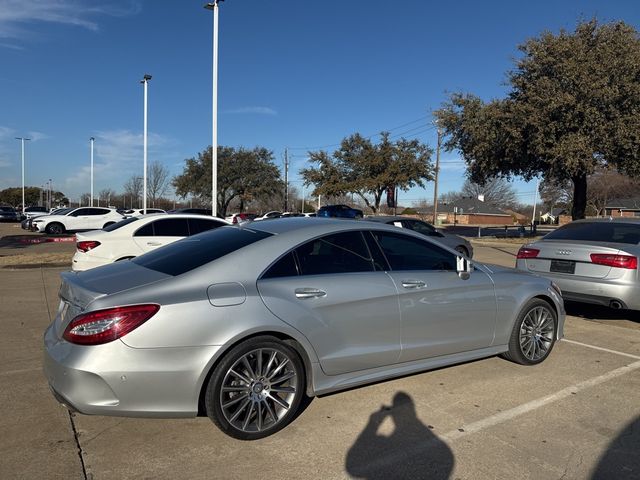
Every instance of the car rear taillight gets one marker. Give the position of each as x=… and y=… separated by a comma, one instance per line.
x=618, y=261
x=527, y=252
x=103, y=326
x=85, y=246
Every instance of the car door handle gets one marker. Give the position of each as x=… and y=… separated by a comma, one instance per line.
x=154, y=244
x=413, y=284
x=310, y=293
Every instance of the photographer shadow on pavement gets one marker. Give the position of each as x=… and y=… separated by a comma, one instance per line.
x=410, y=451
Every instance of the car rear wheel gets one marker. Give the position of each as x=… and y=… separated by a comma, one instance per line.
x=256, y=390
x=533, y=334
x=54, y=228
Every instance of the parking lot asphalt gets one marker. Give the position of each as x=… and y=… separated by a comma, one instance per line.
x=575, y=416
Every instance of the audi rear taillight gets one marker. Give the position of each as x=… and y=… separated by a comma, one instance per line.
x=612, y=260
x=85, y=246
x=527, y=252
x=103, y=326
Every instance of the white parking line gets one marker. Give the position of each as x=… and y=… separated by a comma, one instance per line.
x=601, y=348
x=505, y=416
x=535, y=404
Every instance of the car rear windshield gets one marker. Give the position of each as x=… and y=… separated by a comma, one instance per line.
x=192, y=252
x=598, y=232
x=120, y=224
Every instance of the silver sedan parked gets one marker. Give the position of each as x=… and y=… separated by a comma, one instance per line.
x=593, y=261
x=240, y=323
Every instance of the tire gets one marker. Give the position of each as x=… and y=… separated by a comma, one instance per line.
x=534, y=333
x=54, y=228
x=256, y=389
x=462, y=250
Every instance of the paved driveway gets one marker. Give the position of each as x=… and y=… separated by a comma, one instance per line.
x=575, y=416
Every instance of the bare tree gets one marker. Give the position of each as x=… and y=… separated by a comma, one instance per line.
x=495, y=191
x=606, y=185
x=106, y=194
x=157, y=181
x=133, y=190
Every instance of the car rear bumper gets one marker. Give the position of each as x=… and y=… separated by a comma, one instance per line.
x=114, y=379
x=599, y=291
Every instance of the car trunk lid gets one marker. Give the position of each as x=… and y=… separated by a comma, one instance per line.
x=80, y=289
x=570, y=259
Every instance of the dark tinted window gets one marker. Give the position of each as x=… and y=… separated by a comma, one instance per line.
x=97, y=211
x=408, y=253
x=379, y=261
x=199, y=225
x=420, y=227
x=193, y=252
x=146, y=231
x=597, y=232
x=337, y=253
x=120, y=224
x=81, y=212
x=171, y=227
x=285, y=267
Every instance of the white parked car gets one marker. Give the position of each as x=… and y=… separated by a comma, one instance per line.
x=76, y=219
x=137, y=235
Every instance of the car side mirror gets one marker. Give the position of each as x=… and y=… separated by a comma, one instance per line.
x=464, y=268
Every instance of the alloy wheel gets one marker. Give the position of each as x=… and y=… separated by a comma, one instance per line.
x=536, y=333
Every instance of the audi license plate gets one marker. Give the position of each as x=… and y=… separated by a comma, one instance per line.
x=563, y=266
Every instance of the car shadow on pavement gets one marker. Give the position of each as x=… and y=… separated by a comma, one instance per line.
x=411, y=450
x=600, y=312
x=622, y=458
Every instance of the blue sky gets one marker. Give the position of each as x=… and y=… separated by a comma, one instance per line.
x=295, y=74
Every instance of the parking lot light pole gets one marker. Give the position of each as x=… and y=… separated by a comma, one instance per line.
x=92, y=139
x=22, y=139
x=214, y=111
x=145, y=81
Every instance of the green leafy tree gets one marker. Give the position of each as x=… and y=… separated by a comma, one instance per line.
x=32, y=196
x=366, y=169
x=243, y=175
x=573, y=106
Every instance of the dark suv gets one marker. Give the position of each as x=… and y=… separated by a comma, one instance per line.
x=339, y=211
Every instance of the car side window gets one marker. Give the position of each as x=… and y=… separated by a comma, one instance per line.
x=285, y=267
x=407, y=253
x=337, y=253
x=420, y=227
x=81, y=212
x=199, y=225
x=97, y=211
x=146, y=231
x=171, y=227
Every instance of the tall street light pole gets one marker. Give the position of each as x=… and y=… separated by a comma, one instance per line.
x=145, y=81
x=92, y=139
x=22, y=140
x=214, y=111
x=435, y=186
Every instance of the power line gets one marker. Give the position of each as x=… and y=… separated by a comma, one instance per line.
x=367, y=137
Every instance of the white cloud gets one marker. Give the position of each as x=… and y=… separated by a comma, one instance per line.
x=252, y=110
x=17, y=16
x=118, y=155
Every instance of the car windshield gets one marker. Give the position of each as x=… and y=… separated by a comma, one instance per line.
x=192, y=252
x=120, y=224
x=598, y=232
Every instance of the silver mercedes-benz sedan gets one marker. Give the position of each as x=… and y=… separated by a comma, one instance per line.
x=240, y=323
x=593, y=261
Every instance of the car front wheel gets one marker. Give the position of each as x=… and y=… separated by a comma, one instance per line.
x=256, y=390
x=533, y=334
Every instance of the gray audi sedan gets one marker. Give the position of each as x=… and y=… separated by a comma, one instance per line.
x=593, y=261
x=240, y=323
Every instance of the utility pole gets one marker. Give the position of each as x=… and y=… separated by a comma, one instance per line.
x=435, y=186
x=92, y=139
x=286, y=180
x=145, y=82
